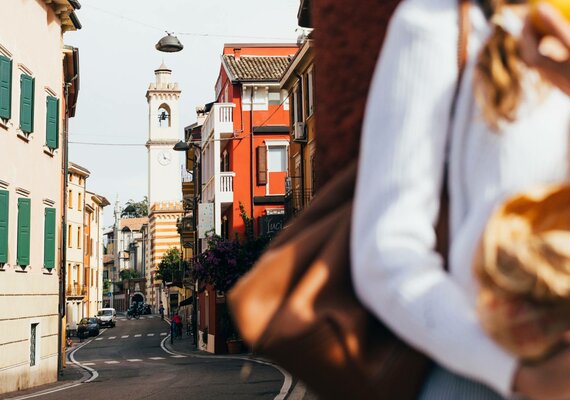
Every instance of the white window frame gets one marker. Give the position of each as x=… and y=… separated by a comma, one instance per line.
x=276, y=143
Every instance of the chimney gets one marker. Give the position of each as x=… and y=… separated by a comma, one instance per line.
x=237, y=53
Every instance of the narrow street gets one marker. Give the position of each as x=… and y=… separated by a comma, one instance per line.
x=131, y=362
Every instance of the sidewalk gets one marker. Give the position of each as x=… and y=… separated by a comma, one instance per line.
x=184, y=345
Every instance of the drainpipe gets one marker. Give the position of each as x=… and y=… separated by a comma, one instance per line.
x=251, y=153
x=63, y=243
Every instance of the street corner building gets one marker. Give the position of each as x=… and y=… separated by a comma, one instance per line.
x=38, y=91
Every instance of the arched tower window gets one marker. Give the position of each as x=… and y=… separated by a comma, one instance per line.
x=164, y=116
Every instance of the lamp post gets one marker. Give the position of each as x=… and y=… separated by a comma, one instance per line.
x=197, y=195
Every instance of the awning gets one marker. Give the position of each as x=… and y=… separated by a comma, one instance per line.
x=186, y=302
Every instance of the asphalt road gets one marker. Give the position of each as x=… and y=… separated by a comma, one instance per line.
x=128, y=362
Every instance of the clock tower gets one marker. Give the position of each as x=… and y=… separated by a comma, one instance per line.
x=164, y=183
x=163, y=164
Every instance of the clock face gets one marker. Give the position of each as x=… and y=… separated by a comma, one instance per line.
x=164, y=157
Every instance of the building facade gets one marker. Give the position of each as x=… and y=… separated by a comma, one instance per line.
x=32, y=119
x=165, y=206
x=243, y=158
x=93, y=252
x=299, y=82
x=76, y=278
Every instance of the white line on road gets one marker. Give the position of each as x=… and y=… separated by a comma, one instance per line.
x=112, y=362
x=287, y=379
x=163, y=334
x=99, y=338
x=112, y=337
x=124, y=336
x=178, y=356
x=150, y=334
x=134, y=360
x=88, y=363
x=94, y=374
x=138, y=335
x=156, y=358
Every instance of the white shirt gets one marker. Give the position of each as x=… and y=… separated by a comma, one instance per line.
x=396, y=272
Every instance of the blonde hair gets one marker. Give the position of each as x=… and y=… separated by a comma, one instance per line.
x=499, y=71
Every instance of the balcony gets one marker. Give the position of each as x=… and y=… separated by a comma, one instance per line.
x=296, y=199
x=220, y=120
x=76, y=290
x=223, y=192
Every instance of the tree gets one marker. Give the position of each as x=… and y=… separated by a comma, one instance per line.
x=128, y=274
x=170, y=266
x=135, y=209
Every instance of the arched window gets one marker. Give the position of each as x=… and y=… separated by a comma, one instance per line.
x=164, y=116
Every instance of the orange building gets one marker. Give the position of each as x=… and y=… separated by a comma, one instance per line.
x=244, y=154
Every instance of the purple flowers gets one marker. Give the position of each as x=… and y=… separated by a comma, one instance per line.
x=225, y=261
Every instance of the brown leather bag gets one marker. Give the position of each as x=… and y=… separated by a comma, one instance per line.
x=297, y=305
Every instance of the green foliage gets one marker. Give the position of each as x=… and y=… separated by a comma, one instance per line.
x=135, y=209
x=170, y=266
x=129, y=274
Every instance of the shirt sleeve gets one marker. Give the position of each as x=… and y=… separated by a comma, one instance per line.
x=396, y=272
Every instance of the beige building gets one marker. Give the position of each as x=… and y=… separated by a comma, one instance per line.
x=76, y=284
x=93, y=251
x=34, y=64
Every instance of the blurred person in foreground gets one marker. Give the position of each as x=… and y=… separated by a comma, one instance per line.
x=510, y=130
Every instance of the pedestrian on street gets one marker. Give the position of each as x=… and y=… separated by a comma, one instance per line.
x=161, y=311
x=177, y=324
x=509, y=131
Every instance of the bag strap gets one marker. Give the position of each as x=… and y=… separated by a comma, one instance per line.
x=442, y=226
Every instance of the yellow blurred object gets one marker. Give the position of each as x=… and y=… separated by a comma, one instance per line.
x=523, y=267
x=563, y=6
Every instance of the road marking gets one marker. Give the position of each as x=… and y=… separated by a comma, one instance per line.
x=163, y=334
x=287, y=379
x=124, y=336
x=89, y=363
x=138, y=335
x=178, y=356
x=94, y=374
x=112, y=337
x=156, y=358
x=99, y=338
x=134, y=360
x=150, y=334
x=112, y=362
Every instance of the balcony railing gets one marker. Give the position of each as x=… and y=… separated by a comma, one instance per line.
x=225, y=193
x=220, y=119
x=186, y=176
x=76, y=290
x=295, y=198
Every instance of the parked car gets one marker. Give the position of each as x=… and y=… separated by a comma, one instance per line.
x=88, y=327
x=107, y=317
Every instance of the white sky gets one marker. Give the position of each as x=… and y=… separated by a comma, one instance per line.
x=117, y=63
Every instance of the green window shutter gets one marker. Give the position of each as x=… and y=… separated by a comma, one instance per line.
x=23, y=250
x=5, y=87
x=52, y=122
x=4, y=212
x=26, y=103
x=49, y=238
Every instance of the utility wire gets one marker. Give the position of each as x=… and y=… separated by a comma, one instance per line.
x=134, y=21
x=221, y=139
